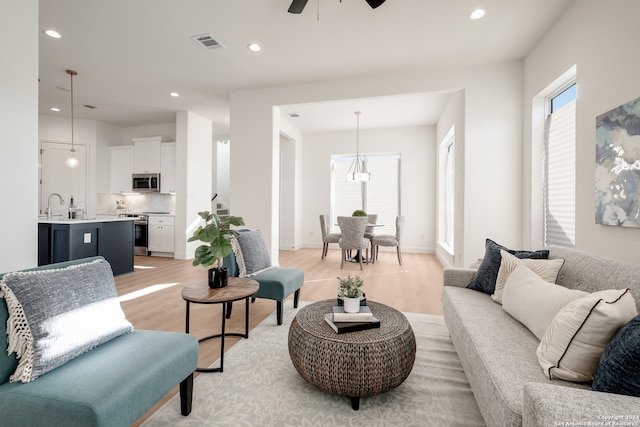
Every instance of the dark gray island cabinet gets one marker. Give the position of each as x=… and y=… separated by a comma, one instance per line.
x=65, y=240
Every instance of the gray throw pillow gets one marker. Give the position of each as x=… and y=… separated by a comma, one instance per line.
x=619, y=367
x=254, y=256
x=487, y=273
x=58, y=314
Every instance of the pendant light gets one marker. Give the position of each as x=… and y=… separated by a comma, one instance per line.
x=72, y=161
x=358, y=170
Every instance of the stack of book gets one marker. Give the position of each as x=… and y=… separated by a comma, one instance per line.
x=342, y=322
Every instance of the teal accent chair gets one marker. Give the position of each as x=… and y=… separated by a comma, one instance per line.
x=276, y=283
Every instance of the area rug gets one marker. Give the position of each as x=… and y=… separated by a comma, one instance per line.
x=260, y=387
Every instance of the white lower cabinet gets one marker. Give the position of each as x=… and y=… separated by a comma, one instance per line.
x=161, y=234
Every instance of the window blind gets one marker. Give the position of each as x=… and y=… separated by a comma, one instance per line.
x=382, y=191
x=560, y=172
x=380, y=195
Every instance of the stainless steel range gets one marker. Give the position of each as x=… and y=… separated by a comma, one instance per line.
x=141, y=233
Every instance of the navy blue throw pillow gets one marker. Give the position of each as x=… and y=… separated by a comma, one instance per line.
x=485, y=278
x=619, y=368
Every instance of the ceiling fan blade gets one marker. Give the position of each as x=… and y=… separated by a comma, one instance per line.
x=375, y=3
x=297, y=6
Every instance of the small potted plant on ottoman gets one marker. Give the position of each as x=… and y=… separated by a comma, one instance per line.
x=350, y=292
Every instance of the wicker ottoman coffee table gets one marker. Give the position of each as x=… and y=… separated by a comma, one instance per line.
x=353, y=364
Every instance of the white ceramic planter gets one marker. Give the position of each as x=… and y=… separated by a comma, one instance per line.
x=351, y=305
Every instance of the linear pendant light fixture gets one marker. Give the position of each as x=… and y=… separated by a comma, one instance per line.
x=72, y=162
x=358, y=170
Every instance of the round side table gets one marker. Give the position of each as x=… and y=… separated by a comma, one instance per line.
x=236, y=289
x=353, y=364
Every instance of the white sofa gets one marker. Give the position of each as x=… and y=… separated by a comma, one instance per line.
x=498, y=353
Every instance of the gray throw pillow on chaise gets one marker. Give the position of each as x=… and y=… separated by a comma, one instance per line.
x=56, y=315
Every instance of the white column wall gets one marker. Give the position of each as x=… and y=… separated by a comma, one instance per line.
x=600, y=38
x=19, y=135
x=193, y=178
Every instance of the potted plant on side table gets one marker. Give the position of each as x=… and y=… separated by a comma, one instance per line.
x=215, y=234
x=350, y=292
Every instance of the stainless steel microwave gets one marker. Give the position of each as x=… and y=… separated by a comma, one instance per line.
x=145, y=182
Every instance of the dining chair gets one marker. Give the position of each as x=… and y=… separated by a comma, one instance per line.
x=352, y=236
x=369, y=232
x=389, y=240
x=326, y=236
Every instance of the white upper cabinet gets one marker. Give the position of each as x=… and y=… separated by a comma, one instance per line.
x=121, y=168
x=168, y=167
x=147, y=154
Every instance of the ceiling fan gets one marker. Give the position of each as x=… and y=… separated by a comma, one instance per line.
x=297, y=6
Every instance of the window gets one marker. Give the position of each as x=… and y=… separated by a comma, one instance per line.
x=559, y=169
x=446, y=191
x=380, y=195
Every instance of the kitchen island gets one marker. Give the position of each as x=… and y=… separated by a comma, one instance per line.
x=64, y=240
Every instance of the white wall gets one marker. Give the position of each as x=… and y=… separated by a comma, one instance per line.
x=295, y=196
x=417, y=148
x=287, y=236
x=107, y=135
x=85, y=132
x=167, y=130
x=601, y=39
x=453, y=116
x=19, y=134
x=222, y=154
x=493, y=134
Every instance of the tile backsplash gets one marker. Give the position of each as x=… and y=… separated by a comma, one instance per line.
x=107, y=203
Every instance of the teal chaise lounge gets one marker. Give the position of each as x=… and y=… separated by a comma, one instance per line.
x=113, y=384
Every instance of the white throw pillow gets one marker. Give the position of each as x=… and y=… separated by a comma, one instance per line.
x=547, y=269
x=578, y=335
x=533, y=301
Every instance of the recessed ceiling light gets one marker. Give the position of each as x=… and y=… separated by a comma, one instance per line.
x=477, y=14
x=56, y=109
x=53, y=34
x=174, y=94
x=254, y=47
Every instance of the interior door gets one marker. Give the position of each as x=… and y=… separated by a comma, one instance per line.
x=56, y=177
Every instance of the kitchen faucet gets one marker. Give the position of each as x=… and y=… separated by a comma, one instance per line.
x=49, y=214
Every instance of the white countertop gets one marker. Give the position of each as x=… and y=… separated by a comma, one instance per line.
x=81, y=221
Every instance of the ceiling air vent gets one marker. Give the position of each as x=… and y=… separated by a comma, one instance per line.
x=207, y=41
x=91, y=107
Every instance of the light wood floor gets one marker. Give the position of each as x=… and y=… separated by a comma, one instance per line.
x=151, y=295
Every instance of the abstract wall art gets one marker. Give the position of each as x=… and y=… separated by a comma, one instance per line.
x=618, y=166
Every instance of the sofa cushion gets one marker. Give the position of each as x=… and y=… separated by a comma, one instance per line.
x=251, y=253
x=485, y=278
x=547, y=269
x=534, y=302
x=575, y=340
x=57, y=315
x=619, y=368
